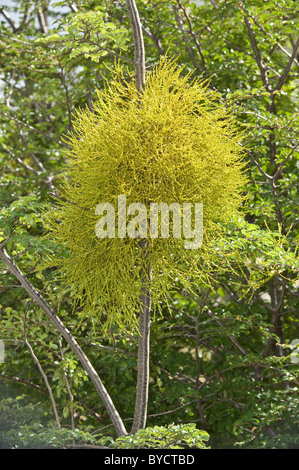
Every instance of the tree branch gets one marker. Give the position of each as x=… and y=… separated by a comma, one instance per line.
x=256, y=52
x=99, y=386
x=288, y=67
x=155, y=40
x=42, y=21
x=193, y=34
x=45, y=378
x=139, y=53
x=9, y=20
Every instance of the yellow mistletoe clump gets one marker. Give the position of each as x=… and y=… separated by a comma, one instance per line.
x=173, y=144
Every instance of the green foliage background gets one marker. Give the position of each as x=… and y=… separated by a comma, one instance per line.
x=222, y=358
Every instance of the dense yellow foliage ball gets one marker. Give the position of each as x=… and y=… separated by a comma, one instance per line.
x=177, y=145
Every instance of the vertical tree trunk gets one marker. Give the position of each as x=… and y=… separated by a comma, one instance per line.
x=140, y=413
x=142, y=387
x=138, y=45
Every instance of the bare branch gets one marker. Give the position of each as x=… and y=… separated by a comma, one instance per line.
x=9, y=20
x=99, y=386
x=256, y=52
x=23, y=381
x=139, y=58
x=73, y=7
x=155, y=40
x=44, y=376
x=278, y=172
x=42, y=21
x=231, y=337
x=285, y=51
x=26, y=166
x=256, y=163
x=192, y=33
x=67, y=382
x=288, y=67
x=28, y=126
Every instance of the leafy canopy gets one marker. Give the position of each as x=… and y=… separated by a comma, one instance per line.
x=171, y=437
